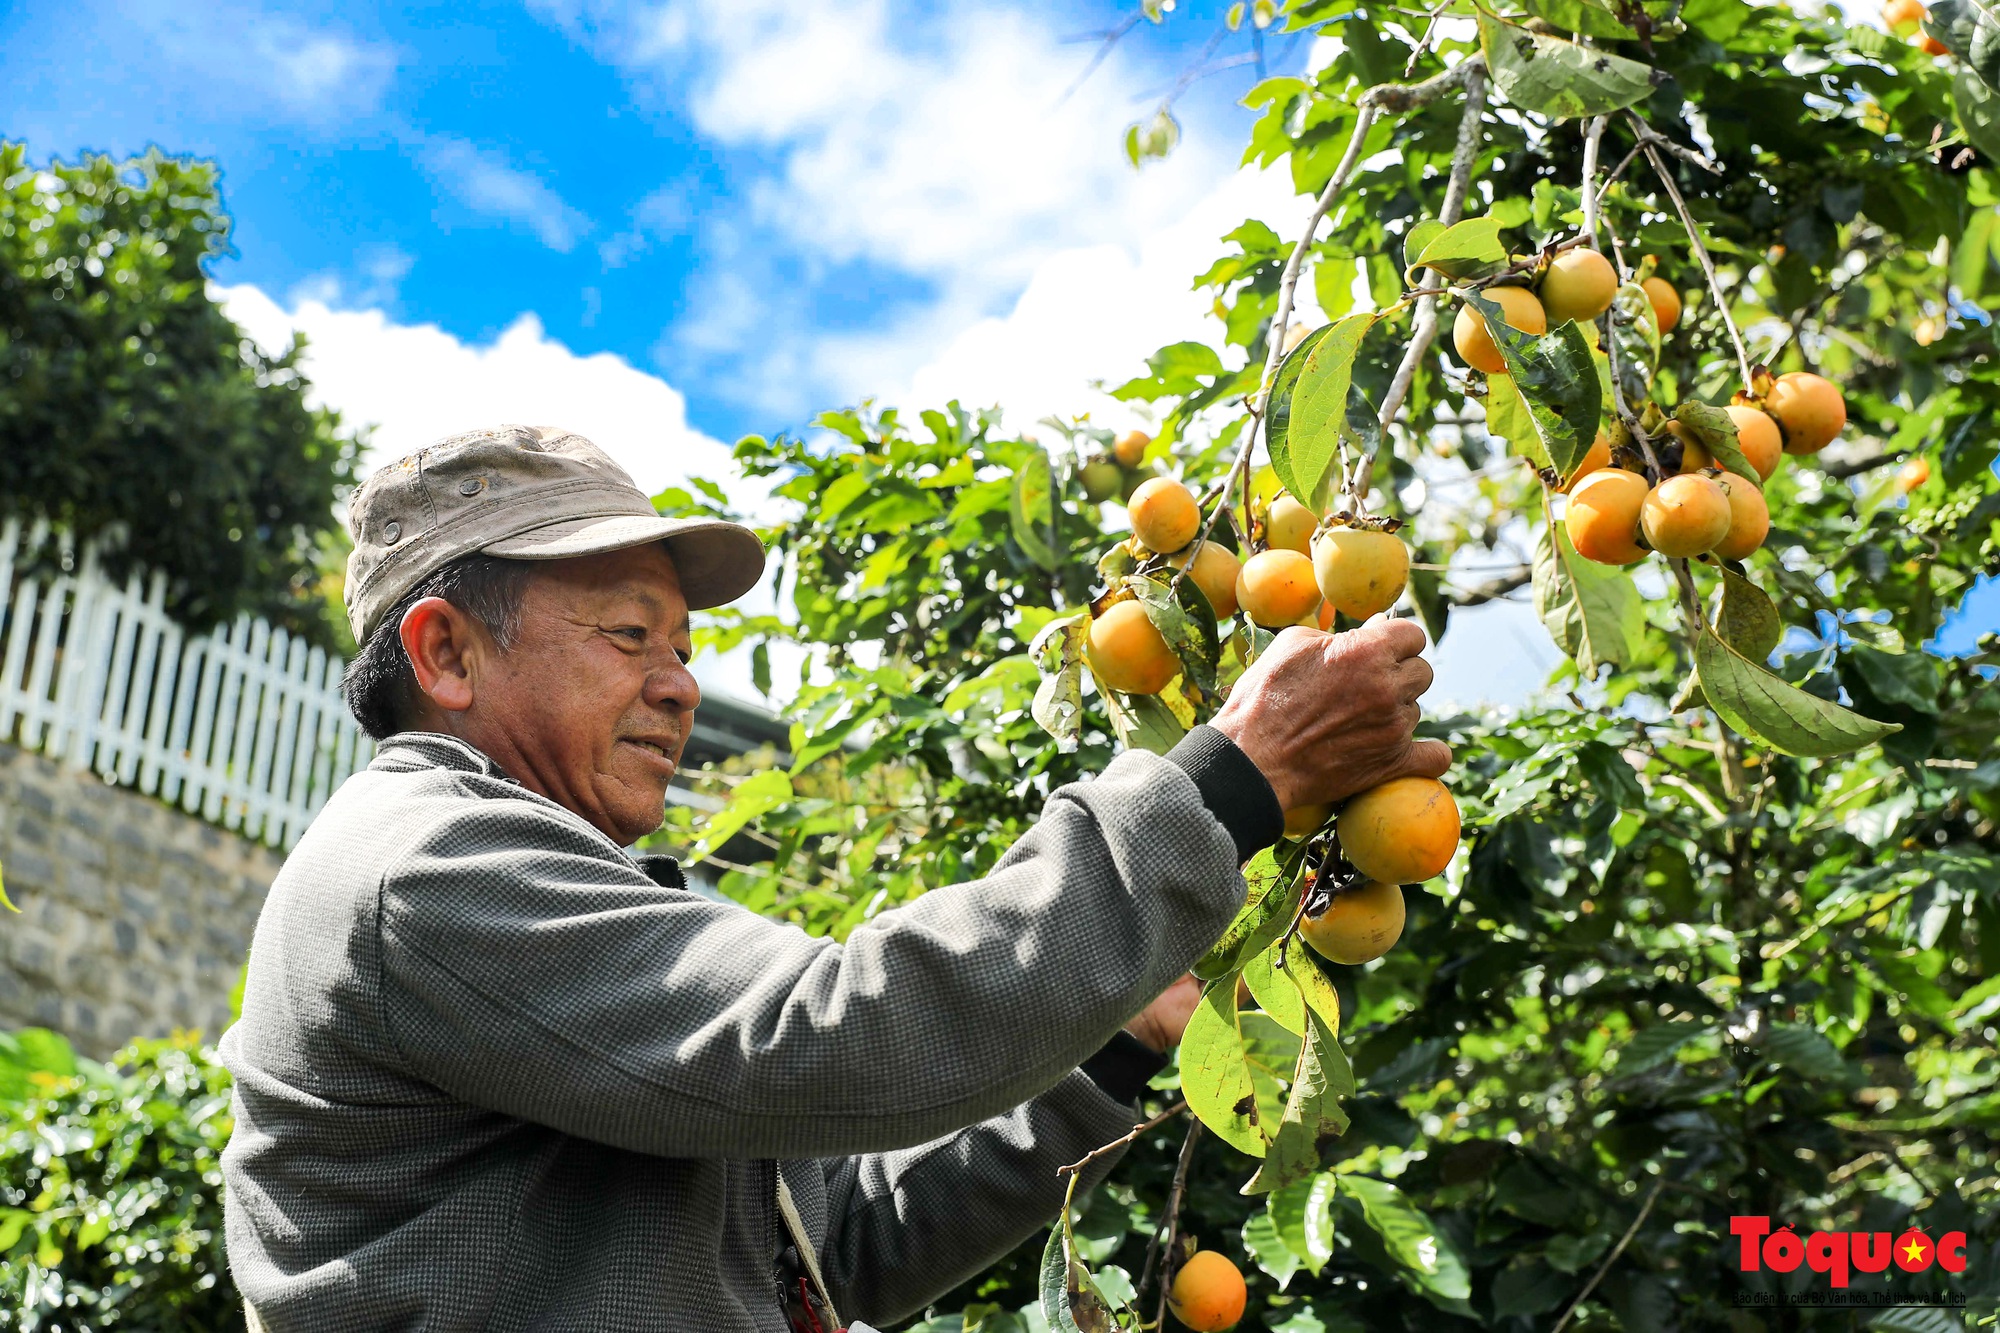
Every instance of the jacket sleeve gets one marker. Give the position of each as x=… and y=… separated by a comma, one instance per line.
x=905, y=1227
x=528, y=968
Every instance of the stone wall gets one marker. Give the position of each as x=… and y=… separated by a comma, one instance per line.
x=134, y=917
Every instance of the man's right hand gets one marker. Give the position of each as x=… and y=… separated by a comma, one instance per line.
x=1324, y=716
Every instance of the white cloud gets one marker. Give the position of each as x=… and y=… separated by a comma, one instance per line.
x=487, y=183
x=940, y=147
x=310, y=72
x=416, y=383
x=1095, y=313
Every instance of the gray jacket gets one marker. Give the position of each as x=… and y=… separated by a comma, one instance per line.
x=490, y=1074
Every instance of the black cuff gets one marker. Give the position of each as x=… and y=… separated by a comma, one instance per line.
x=1237, y=793
x=1123, y=1067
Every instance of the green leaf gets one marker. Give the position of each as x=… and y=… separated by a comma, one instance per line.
x=1908, y=679
x=1303, y=1214
x=756, y=796
x=1971, y=29
x=1272, y=896
x=1978, y=108
x=1557, y=382
x=1058, y=651
x=1716, y=430
x=1031, y=506
x=1463, y=252
x=1286, y=992
x=1655, y=1044
x=1746, y=619
x=1804, y=1051
x=1186, y=621
x=5, y=901
x=1275, y=995
x=1313, y=1116
x=1764, y=707
x=1422, y=232
x=1215, y=1070
x=1560, y=78
x=1592, y=611
x=1635, y=336
x=13, y=1221
x=1429, y=1259
x=1308, y=408
x=1268, y=1250
x=1142, y=721
x=1070, y=1300
x=1607, y=18
x=1508, y=418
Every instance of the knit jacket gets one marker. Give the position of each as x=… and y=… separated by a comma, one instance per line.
x=493, y=1072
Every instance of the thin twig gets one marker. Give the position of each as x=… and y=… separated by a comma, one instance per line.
x=1424, y=329
x=1701, y=254
x=1612, y=1257
x=1129, y=1137
x=1111, y=39
x=1173, y=1223
x=1592, y=201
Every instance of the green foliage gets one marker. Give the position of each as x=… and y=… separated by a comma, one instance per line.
x=135, y=408
x=1702, y=953
x=111, y=1188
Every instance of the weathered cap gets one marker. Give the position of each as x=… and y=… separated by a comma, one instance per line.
x=525, y=493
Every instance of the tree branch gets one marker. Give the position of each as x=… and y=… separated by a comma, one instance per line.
x=1490, y=591
x=1700, y=250
x=1612, y=1257
x=1382, y=97
x=1130, y=1136
x=1424, y=330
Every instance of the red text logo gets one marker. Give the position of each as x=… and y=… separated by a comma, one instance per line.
x=1836, y=1253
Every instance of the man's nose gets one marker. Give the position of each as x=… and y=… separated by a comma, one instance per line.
x=672, y=685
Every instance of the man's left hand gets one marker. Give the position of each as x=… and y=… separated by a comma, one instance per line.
x=1160, y=1024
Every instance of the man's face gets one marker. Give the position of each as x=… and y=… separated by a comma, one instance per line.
x=592, y=705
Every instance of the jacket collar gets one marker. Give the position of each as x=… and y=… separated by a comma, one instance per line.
x=412, y=751
x=408, y=751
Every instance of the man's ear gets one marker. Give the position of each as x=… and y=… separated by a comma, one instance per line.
x=446, y=648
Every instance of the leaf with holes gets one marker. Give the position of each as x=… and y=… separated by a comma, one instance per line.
x=1070, y=1300
x=1557, y=382
x=1313, y=1115
x=1308, y=410
x=1745, y=618
x=1058, y=652
x=1215, y=1070
x=1560, y=78
x=1635, y=338
x=1766, y=708
x=1187, y=622
x=1592, y=611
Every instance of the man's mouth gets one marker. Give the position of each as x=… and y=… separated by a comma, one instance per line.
x=655, y=748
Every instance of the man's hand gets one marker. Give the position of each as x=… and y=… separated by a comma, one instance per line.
x=1160, y=1024
x=1324, y=716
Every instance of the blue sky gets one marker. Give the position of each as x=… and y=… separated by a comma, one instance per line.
x=702, y=191
x=668, y=224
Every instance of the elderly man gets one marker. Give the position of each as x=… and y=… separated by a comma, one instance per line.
x=496, y=1072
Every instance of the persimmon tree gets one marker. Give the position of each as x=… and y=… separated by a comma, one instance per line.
x=1667, y=317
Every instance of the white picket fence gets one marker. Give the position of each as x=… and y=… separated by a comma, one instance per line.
x=243, y=726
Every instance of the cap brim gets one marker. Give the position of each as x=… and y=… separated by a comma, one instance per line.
x=717, y=561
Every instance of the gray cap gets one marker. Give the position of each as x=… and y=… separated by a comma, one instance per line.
x=525, y=493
